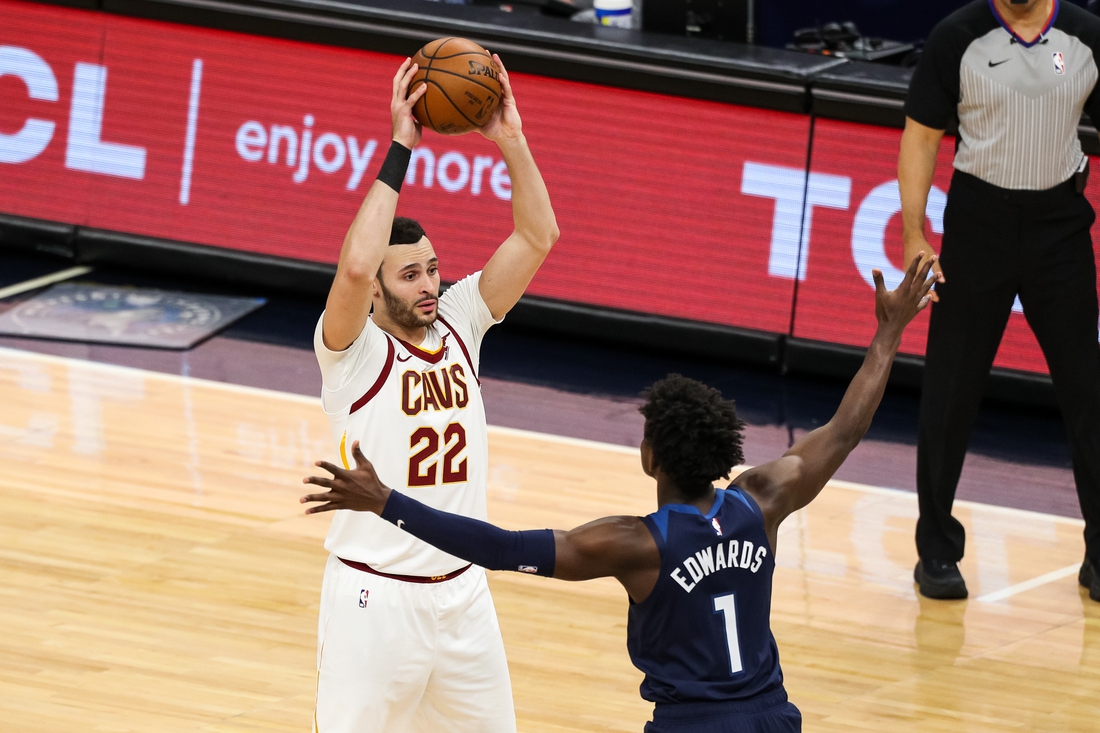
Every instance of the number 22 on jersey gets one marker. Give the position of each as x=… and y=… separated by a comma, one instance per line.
x=426, y=468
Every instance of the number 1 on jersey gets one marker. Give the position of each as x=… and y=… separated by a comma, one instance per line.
x=725, y=606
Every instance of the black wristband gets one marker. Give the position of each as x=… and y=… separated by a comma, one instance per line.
x=394, y=166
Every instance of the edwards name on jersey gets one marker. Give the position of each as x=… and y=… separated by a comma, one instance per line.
x=703, y=633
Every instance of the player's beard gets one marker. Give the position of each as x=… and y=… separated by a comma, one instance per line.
x=404, y=312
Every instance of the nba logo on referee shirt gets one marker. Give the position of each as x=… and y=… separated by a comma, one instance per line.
x=1059, y=63
x=363, y=598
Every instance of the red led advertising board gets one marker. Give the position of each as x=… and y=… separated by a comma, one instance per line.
x=269, y=146
x=846, y=242
x=666, y=205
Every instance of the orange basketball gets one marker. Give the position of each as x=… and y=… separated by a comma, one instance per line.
x=463, y=86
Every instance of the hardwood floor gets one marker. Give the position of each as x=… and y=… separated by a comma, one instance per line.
x=156, y=574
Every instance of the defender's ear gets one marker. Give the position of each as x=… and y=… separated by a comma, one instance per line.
x=649, y=463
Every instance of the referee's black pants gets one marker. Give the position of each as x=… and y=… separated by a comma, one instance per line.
x=998, y=243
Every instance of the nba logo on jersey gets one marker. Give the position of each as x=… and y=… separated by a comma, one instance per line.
x=1059, y=63
x=363, y=598
x=717, y=527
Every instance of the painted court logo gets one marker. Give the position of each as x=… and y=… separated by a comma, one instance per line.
x=1059, y=63
x=363, y=598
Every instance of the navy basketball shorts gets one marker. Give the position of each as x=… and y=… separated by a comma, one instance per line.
x=769, y=713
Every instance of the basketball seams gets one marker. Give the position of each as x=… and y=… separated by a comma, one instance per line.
x=486, y=87
x=434, y=56
x=448, y=98
x=427, y=75
x=439, y=48
x=427, y=111
x=462, y=53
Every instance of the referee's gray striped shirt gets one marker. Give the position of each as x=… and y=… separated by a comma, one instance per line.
x=1018, y=101
x=1017, y=114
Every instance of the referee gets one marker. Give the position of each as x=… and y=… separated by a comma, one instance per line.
x=1015, y=74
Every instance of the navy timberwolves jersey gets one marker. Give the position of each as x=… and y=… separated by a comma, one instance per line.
x=703, y=633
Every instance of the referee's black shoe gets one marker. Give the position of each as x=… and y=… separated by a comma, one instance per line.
x=938, y=579
x=1090, y=578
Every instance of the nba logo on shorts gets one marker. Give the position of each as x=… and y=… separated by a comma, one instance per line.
x=1059, y=63
x=363, y=598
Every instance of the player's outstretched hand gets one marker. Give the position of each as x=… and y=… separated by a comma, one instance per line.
x=358, y=489
x=505, y=122
x=895, y=308
x=406, y=130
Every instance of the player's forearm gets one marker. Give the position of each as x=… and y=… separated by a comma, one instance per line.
x=532, y=212
x=493, y=548
x=864, y=394
x=916, y=167
x=369, y=234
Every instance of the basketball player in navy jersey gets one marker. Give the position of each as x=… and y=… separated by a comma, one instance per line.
x=698, y=570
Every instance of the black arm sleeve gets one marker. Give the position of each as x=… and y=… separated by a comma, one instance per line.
x=531, y=551
x=933, y=97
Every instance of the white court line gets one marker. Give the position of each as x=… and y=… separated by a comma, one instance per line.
x=1000, y=595
x=315, y=402
x=546, y=437
x=564, y=440
x=192, y=126
x=41, y=282
x=994, y=508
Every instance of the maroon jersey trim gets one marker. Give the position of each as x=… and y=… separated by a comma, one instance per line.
x=462, y=346
x=379, y=382
x=428, y=356
x=363, y=567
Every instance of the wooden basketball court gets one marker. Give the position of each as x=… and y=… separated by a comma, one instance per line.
x=157, y=574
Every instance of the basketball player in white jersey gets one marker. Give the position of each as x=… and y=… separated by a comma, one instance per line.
x=407, y=636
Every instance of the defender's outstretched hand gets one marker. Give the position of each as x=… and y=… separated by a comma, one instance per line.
x=505, y=122
x=358, y=489
x=406, y=130
x=895, y=308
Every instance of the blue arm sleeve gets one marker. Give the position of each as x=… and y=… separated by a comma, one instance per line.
x=493, y=548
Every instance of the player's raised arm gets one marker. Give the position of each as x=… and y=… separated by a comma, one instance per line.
x=516, y=261
x=619, y=547
x=791, y=482
x=349, y=299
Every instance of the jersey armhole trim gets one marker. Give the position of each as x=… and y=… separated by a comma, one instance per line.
x=750, y=502
x=719, y=499
x=359, y=403
x=657, y=527
x=461, y=345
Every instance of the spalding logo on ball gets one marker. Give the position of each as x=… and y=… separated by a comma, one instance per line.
x=463, y=86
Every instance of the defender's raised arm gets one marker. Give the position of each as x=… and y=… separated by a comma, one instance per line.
x=349, y=299
x=784, y=486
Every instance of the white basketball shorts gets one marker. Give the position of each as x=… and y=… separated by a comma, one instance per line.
x=394, y=656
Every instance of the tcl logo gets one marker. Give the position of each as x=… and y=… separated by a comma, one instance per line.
x=85, y=149
x=797, y=195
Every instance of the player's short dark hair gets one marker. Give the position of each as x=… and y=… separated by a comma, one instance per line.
x=405, y=231
x=695, y=434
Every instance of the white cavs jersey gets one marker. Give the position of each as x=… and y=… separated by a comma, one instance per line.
x=418, y=416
